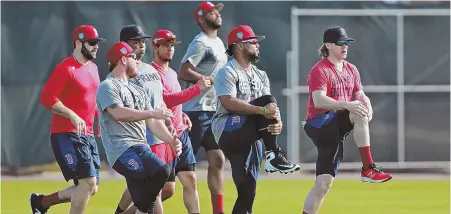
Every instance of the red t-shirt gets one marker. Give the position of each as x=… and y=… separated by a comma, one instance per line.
x=75, y=85
x=174, y=97
x=340, y=86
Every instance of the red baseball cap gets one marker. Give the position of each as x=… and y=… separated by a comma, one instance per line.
x=117, y=51
x=163, y=37
x=86, y=33
x=205, y=7
x=241, y=33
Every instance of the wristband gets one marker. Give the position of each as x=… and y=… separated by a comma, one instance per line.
x=264, y=111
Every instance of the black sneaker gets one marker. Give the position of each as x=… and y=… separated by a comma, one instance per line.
x=35, y=203
x=276, y=162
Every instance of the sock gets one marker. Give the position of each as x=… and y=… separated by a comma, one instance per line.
x=119, y=210
x=365, y=155
x=52, y=199
x=217, y=203
x=269, y=140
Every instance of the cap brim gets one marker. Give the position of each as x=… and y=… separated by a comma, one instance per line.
x=219, y=6
x=260, y=38
x=140, y=37
x=346, y=39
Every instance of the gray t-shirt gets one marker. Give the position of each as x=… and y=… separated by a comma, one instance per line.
x=149, y=79
x=117, y=136
x=207, y=55
x=233, y=80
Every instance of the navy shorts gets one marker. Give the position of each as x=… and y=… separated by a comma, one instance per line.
x=328, y=132
x=243, y=147
x=187, y=160
x=201, y=134
x=138, y=164
x=77, y=156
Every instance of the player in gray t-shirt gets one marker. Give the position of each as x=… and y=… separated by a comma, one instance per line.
x=124, y=110
x=150, y=81
x=247, y=113
x=204, y=57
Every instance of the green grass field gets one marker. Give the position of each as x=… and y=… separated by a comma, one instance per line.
x=273, y=197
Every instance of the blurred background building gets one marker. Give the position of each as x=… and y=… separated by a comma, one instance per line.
x=402, y=50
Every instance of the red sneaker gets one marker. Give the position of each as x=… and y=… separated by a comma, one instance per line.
x=374, y=175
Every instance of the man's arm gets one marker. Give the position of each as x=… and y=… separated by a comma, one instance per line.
x=193, y=56
x=159, y=129
x=52, y=89
x=322, y=101
x=234, y=105
x=178, y=98
x=108, y=99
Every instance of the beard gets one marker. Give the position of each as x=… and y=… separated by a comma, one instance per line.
x=253, y=57
x=86, y=53
x=212, y=25
x=164, y=59
x=131, y=72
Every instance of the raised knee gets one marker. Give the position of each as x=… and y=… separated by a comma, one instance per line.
x=323, y=184
x=357, y=119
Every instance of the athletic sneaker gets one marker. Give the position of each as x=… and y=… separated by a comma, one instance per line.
x=36, y=206
x=374, y=175
x=276, y=162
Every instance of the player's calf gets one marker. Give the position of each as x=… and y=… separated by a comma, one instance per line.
x=370, y=172
x=316, y=196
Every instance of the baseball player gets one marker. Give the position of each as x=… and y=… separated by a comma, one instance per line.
x=163, y=43
x=204, y=57
x=247, y=113
x=70, y=95
x=147, y=78
x=125, y=110
x=337, y=105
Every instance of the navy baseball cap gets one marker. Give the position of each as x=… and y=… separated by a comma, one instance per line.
x=131, y=32
x=334, y=34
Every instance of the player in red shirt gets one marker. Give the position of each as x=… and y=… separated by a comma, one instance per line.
x=70, y=94
x=163, y=42
x=336, y=106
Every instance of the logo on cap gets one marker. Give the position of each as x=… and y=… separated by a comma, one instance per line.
x=156, y=40
x=239, y=35
x=199, y=12
x=169, y=34
x=123, y=51
x=81, y=35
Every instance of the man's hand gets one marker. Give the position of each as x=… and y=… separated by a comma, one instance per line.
x=275, y=129
x=79, y=124
x=271, y=111
x=176, y=145
x=203, y=83
x=162, y=113
x=187, y=122
x=358, y=108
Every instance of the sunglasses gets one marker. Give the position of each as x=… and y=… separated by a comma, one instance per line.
x=341, y=43
x=92, y=43
x=250, y=41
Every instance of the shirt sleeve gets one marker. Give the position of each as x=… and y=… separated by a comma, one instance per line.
x=54, y=86
x=178, y=98
x=225, y=83
x=266, y=84
x=195, y=53
x=108, y=95
x=317, y=80
x=357, y=81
